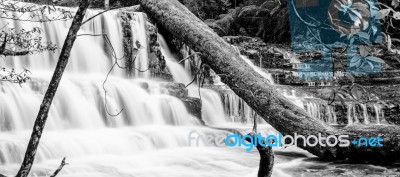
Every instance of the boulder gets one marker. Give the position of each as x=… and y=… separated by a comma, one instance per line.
x=175, y=89
x=193, y=105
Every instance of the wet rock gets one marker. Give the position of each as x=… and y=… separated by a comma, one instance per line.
x=252, y=54
x=126, y=18
x=238, y=39
x=392, y=114
x=126, y=30
x=123, y=3
x=144, y=85
x=193, y=105
x=175, y=89
x=157, y=63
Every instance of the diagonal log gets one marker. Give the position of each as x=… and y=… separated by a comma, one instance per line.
x=41, y=118
x=263, y=97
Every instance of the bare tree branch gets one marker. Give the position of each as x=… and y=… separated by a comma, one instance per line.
x=94, y=16
x=59, y=168
x=55, y=172
x=7, y=52
x=189, y=57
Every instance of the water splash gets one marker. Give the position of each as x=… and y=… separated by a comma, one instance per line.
x=365, y=113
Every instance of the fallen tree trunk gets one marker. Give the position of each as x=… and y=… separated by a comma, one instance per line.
x=263, y=97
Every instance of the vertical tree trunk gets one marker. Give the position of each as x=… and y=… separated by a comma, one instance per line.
x=263, y=97
x=48, y=97
x=266, y=157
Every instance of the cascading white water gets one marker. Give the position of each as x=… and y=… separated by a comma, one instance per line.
x=296, y=100
x=148, y=138
x=80, y=126
x=177, y=71
x=365, y=113
x=212, y=109
x=149, y=134
x=332, y=116
x=237, y=109
x=378, y=113
x=314, y=110
x=371, y=112
x=352, y=114
x=96, y=59
x=138, y=26
x=258, y=69
x=349, y=117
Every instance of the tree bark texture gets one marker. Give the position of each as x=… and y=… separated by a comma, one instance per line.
x=261, y=95
x=51, y=90
x=266, y=158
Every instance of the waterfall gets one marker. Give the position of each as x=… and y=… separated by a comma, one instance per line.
x=139, y=37
x=212, y=109
x=349, y=117
x=314, y=107
x=149, y=137
x=237, y=109
x=369, y=112
x=332, y=116
x=177, y=71
x=354, y=110
x=352, y=113
x=80, y=125
x=313, y=110
x=378, y=113
x=296, y=100
x=365, y=113
x=87, y=46
x=259, y=70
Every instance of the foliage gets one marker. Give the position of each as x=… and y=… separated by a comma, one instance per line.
x=267, y=20
x=21, y=11
x=359, y=39
x=123, y=3
x=26, y=41
x=390, y=15
x=14, y=77
x=349, y=90
x=207, y=9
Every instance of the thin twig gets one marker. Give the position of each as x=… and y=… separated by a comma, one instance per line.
x=94, y=16
x=59, y=168
x=190, y=56
x=190, y=82
x=105, y=93
x=114, y=56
